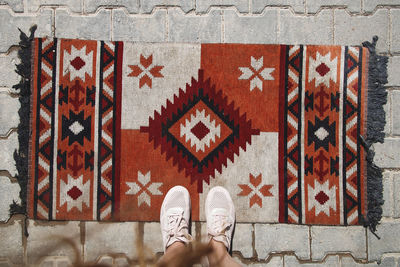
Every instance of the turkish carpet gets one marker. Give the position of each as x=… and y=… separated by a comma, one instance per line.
x=285, y=128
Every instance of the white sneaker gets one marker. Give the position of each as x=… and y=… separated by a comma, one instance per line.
x=174, y=216
x=220, y=215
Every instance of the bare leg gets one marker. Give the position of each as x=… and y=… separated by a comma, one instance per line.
x=171, y=253
x=220, y=256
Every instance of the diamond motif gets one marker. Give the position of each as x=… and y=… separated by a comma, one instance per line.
x=76, y=127
x=201, y=159
x=182, y=130
x=74, y=193
x=200, y=130
x=321, y=197
x=78, y=63
x=322, y=69
x=321, y=133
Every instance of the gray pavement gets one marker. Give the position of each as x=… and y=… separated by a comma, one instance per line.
x=342, y=22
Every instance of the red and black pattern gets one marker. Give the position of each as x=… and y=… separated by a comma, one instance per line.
x=352, y=151
x=321, y=167
x=74, y=155
x=109, y=129
x=278, y=125
x=290, y=135
x=44, y=119
x=197, y=168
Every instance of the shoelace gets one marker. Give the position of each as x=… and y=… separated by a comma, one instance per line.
x=219, y=226
x=176, y=226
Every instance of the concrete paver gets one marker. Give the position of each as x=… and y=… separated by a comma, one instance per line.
x=9, y=194
x=70, y=25
x=371, y=5
x=395, y=112
x=243, y=239
x=327, y=240
x=9, y=107
x=203, y=6
x=250, y=29
x=387, y=155
x=259, y=5
x=352, y=6
x=110, y=238
x=344, y=22
x=353, y=30
x=396, y=195
x=8, y=147
x=73, y=5
x=8, y=76
x=299, y=29
x=329, y=261
x=149, y=5
x=279, y=237
x=393, y=68
x=16, y=5
x=192, y=28
x=11, y=242
x=388, y=194
x=91, y=6
x=10, y=23
x=395, y=21
x=46, y=239
x=148, y=28
x=389, y=233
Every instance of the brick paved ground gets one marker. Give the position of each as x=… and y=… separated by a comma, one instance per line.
x=246, y=21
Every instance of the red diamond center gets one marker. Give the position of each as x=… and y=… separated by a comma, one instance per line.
x=321, y=197
x=78, y=63
x=74, y=192
x=322, y=69
x=200, y=130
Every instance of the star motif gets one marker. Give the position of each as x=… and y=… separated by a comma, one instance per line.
x=322, y=197
x=200, y=138
x=255, y=190
x=74, y=192
x=256, y=73
x=78, y=63
x=322, y=69
x=144, y=189
x=145, y=71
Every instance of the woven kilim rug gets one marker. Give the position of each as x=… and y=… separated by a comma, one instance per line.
x=115, y=125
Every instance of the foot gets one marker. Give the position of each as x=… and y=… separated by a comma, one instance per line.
x=220, y=215
x=174, y=217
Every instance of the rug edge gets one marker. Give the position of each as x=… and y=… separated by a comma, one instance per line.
x=376, y=120
x=21, y=155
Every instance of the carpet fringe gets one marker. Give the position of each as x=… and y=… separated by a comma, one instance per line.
x=21, y=156
x=377, y=98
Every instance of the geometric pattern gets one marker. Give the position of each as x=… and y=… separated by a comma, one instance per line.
x=322, y=168
x=255, y=190
x=145, y=71
x=168, y=131
x=75, y=173
x=256, y=73
x=144, y=188
x=115, y=125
